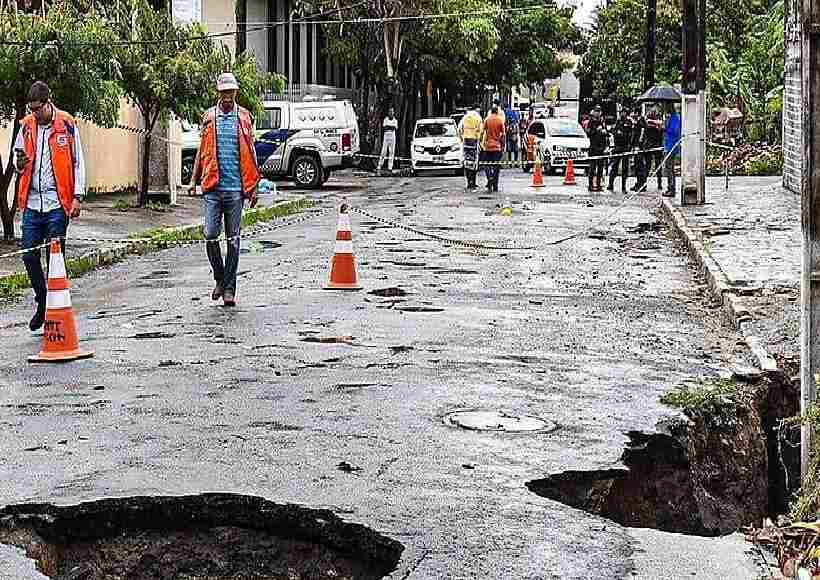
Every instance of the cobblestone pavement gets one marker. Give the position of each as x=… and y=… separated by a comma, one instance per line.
x=752, y=231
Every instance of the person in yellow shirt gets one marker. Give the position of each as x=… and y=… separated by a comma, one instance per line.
x=470, y=128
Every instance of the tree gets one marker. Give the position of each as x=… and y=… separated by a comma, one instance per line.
x=167, y=67
x=69, y=51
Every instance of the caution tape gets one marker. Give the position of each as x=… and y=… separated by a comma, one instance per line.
x=255, y=231
x=454, y=163
x=442, y=239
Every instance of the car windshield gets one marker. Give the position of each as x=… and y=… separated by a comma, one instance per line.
x=565, y=129
x=436, y=130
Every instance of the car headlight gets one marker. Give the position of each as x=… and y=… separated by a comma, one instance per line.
x=456, y=148
x=418, y=149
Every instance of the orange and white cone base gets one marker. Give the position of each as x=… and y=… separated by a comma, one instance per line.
x=343, y=265
x=60, y=342
x=569, y=176
x=538, y=175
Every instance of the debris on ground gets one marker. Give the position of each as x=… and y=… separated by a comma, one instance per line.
x=795, y=545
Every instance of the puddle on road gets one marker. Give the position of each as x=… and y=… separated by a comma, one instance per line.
x=388, y=292
x=210, y=536
x=419, y=309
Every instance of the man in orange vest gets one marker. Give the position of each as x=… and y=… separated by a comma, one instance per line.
x=226, y=161
x=50, y=185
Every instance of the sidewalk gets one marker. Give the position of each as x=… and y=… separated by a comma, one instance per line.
x=747, y=242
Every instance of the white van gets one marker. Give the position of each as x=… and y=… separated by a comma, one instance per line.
x=306, y=141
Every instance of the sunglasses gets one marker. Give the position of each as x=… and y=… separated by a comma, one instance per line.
x=35, y=110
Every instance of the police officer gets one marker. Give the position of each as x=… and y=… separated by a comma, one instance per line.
x=598, y=143
x=638, y=145
x=654, y=140
x=622, y=136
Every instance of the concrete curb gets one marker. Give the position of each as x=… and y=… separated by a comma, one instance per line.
x=111, y=254
x=735, y=311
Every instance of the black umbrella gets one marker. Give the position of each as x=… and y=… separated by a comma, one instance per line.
x=661, y=93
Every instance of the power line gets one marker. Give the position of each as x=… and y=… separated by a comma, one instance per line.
x=273, y=24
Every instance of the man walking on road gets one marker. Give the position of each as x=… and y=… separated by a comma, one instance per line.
x=493, y=143
x=51, y=183
x=671, y=147
x=469, y=128
x=390, y=127
x=226, y=160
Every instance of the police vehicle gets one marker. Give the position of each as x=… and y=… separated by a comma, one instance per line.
x=306, y=141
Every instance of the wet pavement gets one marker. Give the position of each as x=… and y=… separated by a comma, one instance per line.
x=340, y=400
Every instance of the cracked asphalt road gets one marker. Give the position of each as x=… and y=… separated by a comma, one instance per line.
x=184, y=396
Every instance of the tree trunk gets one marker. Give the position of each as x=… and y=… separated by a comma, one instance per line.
x=150, y=119
x=146, y=158
x=6, y=179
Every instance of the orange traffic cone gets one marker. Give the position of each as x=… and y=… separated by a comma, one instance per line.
x=60, y=342
x=569, y=177
x=343, y=266
x=537, y=174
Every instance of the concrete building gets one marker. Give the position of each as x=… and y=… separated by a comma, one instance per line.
x=283, y=44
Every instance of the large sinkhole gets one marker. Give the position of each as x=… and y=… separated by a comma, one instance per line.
x=203, y=537
x=656, y=491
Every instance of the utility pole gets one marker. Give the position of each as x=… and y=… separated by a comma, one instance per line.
x=693, y=162
x=649, y=60
x=810, y=206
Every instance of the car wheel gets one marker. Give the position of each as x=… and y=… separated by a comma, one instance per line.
x=460, y=172
x=307, y=172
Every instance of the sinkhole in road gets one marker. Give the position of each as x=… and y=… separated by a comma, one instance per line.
x=655, y=491
x=207, y=537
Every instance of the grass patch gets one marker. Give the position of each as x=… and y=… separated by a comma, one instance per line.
x=806, y=504
x=122, y=205
x=13, y=285
x=265, y=214
x=713, y=399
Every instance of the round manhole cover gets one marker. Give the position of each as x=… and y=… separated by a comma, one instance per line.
x=498, y=421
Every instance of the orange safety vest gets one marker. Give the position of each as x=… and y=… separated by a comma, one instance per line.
x=248, y=170
x=62, y=145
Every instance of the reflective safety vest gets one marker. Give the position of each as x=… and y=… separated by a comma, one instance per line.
x=248, y=170
x=62, y=143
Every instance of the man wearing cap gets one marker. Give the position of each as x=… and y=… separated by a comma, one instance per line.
x=226, y=161
x=51, y=183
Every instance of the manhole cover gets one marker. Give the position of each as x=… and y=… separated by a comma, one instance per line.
x=211, y=536
x=498, y=421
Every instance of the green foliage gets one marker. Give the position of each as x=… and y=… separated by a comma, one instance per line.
x=806, y=505
x=265, y=214
x=715, y=399
x=122, y=205
x=615, y=54
x=82, y=77
x=767, y=164
x=12, y=286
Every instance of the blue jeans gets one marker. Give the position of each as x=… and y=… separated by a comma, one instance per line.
x=37, y=228
x=227, y=206
x=492, y=170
